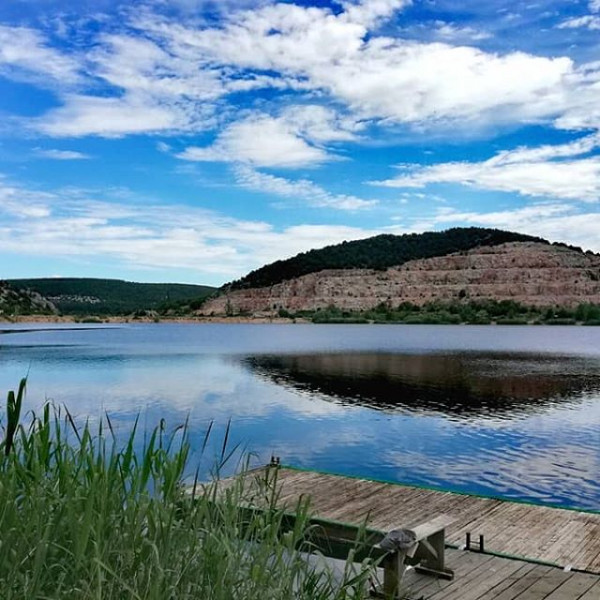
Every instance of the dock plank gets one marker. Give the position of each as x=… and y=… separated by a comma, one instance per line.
x=496, y=591
x=488, y=575
x=545, y=586
x=592, y=594
x=522, y=584
x=575, y=587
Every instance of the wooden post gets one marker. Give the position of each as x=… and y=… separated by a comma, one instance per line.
x=394, y=567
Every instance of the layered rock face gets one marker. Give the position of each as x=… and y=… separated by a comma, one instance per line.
x=529, y=273
x=23, y=301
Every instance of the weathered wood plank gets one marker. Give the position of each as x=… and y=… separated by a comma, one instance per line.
x=459, y=585
x=592, y=594
x=522, y=584
x=501, y=575
x=589, y=545
x=494, y=573
x=500, y=588
x=544, y=586
x=575, y=587
x=463, y=564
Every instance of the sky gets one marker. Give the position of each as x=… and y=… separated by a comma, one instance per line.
x=195, y=140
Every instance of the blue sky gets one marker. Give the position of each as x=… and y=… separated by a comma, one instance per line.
x=194, y=140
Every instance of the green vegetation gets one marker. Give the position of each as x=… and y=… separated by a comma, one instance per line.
x=85, y=518
x=185, y=306
x=504, y=312
x=85, y=296
x=90, y=320
x=380, y=252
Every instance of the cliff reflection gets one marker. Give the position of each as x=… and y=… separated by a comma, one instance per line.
x=460, y=385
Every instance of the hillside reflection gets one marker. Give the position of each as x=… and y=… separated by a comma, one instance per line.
x=459, y=385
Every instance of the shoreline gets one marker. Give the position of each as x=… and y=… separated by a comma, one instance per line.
x=97, y=320
x=258, y=320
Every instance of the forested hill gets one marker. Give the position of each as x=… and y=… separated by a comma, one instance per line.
x=81, y=296
x=379, y=252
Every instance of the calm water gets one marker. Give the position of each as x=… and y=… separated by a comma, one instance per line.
x=508, y=411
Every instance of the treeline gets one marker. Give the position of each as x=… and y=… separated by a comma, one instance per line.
x=380, y=252
x=503, y=312
x=106, y=297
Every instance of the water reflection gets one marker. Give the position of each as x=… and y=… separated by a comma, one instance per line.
x=458, y=385
x=503, y=411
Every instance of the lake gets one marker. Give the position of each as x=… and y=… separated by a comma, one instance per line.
x=505, y=411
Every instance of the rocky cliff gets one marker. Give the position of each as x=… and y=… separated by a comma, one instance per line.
x=530, y=273
x=17, y=301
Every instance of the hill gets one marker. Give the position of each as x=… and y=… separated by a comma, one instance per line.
x=16, y=301
x=489, y=266
x=84, y=296
x=379, y=252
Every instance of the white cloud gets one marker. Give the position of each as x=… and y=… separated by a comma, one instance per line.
x=114, y=117
x=577, y=147
x=166, y=75
x=321, y=124
x=411, y=82
x=370, y=12
x=302, y=189
x=583, y=109
x=22, y=203
x=262, y=141
x=555, y=222
x=70, y=223
x=451, y=32
x=293, y=139
x=27, y=49
x=405, y=81
x=136, y=64
x=62, y=154
x=136, y=232
x=588, y=22
x=541, y=171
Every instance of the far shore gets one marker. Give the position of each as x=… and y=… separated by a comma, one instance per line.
x=200, y=319
x=93, y=319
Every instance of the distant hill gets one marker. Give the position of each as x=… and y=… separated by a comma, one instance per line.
x=16, y=301
x=458, y=267
x=379, y=253
x=84, y=296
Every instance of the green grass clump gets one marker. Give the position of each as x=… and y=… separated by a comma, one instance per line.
x=560, y=321
x=84, y=517
x=511, y=321
x=95, y=320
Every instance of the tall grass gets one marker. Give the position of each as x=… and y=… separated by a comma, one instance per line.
x=84, y=517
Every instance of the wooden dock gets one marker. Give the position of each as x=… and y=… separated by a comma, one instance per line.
x=562, y=537
x=532, y=552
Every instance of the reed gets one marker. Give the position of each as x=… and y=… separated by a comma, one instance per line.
x=85, y=517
